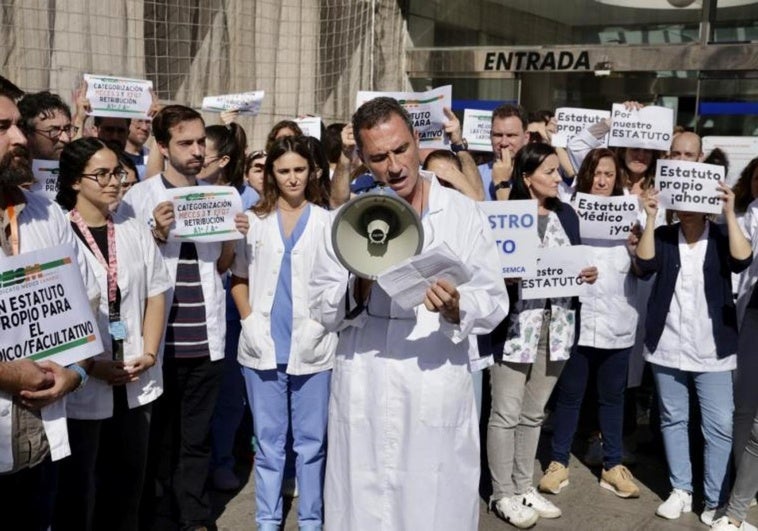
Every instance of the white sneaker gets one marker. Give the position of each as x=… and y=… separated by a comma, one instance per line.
x=678, y=502
x=708, y=516
x=723, y=524
x=539, y=503
x=516, y=513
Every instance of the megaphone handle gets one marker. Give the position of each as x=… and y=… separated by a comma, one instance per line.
x=360, y=296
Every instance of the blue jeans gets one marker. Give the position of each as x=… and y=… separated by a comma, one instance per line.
x=611, y=365
x=275, y=396
x=714, y=394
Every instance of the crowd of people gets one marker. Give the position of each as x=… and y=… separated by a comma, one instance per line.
x=369, y=410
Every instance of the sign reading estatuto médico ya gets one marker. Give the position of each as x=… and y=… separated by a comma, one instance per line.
x=605, y=218
x=689, y=186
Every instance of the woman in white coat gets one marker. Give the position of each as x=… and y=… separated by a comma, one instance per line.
x=109, y=418
x=286, y=356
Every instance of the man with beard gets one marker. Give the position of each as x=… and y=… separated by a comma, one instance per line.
x=139, y=132
x=196, y=329
x=27, y=442
x=46, y=120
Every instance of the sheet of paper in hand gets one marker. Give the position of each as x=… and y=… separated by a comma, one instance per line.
x=204, y=213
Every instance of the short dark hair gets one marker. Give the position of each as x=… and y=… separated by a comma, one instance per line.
x=99, y=120
x=507, y=110
x=332, y=141
x=170, y=116
x=73, y=161
x=525, y=163
x=45, y=103
x=9, y=90
x=378, y=111
x=743, y=194
x=442, y=154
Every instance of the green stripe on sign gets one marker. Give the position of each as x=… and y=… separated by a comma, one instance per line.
x=141, y=113
x=206, y=234
x=61, y=348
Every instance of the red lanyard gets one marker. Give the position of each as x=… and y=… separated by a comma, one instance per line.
x=112, y=264
x=14, y=228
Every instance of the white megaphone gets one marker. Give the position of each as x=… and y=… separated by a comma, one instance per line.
x=375, y=231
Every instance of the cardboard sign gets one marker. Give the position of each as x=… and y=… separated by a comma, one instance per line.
x=311, y=126
x=425, y=109
x=606, y=218
x=514, y=228
x=204, y=213
x=572, y=121
x=247, y=103
x=740, y=150
x=648, y=128
x=557, y=275
x=119, y=97
x=476, y=129
x=689, y=186
x=44, y=310
x=46, y=173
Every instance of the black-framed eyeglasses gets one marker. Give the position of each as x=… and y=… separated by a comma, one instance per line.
x=55, y=132
x=103, y=178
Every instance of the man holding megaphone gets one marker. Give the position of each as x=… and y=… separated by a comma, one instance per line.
x=403, y=429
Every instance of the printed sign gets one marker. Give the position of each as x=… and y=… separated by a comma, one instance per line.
x=204, y=213
x=557, y=275
x=649, y=127
x=689, y=186
x=740, y=150
x=311, y=126
x=476, y=129
x=119, y=97
x=425, y=109
x=247, y=103
x=46, y=174
x=44, y=311
x=606, y=218
x=572, y=121
x=514, y=228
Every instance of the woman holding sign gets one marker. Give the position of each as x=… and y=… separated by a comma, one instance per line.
x=109, y=419
x=541, y=334
x=691, y=338
x=286, y=356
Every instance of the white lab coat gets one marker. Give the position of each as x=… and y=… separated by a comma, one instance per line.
x=42, y=224
x=403, y=429
x=259, y=258
x=141, y=274
x=139, y=203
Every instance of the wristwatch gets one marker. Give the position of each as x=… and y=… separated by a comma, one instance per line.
x=461, y=146
x=502, y=185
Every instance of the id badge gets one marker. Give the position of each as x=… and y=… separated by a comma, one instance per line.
x=117, y=330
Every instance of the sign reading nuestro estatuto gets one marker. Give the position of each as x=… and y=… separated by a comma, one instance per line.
x=44, y=311
x=204, y=213
x=689, y=186
x=648, y=128
x=536, y=60
x=557, y=275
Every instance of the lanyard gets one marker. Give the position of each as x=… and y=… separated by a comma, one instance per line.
x=14, y=228
x=112, y=264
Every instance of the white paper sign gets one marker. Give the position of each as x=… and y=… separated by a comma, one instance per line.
x=204, y=213
x=740, y=150
x=557, y=275
x=425, y=109
x=310, y=125
x=689, y=186
x=476, y=129
x=247, y=103
x=46, y=174
x=119, y=97
x=44, y=310
x=606, y=218
x=649, y=128
x=572, y=121
x=514, y=228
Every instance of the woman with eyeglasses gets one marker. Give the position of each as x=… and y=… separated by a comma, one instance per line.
x=100, y=485
x=286, y=356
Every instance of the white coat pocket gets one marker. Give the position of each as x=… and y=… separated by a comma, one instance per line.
x=313, y=343
x=252, y=337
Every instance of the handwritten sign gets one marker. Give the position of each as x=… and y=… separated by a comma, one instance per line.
x=476, y=129
x=425, y=110
x=606, y=218
x=514, y=228
x=557, y=275
x=247, y=103
x=119, y=97
x=46, y=174
x=689, y=186
x=310, y=125
x=44, y=311
x=572, y=121
x=649, y=127
x=204, y=213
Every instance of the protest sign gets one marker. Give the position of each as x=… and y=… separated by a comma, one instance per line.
x=514, y=228
x=689, y=186
x=606, y=218
x=119, y=97
x=476, y=129
x=247, y=103
x=649, y=127
x=572, y=121
x=46, y=174
x=740, y=150
x=310, y=125
x=44, y=310
x=557, y=275
x=425, y=109
x=204, y=213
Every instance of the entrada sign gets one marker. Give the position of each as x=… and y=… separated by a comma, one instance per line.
x=524, y=60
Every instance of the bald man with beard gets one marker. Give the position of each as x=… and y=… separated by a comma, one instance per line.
x=686, y=146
